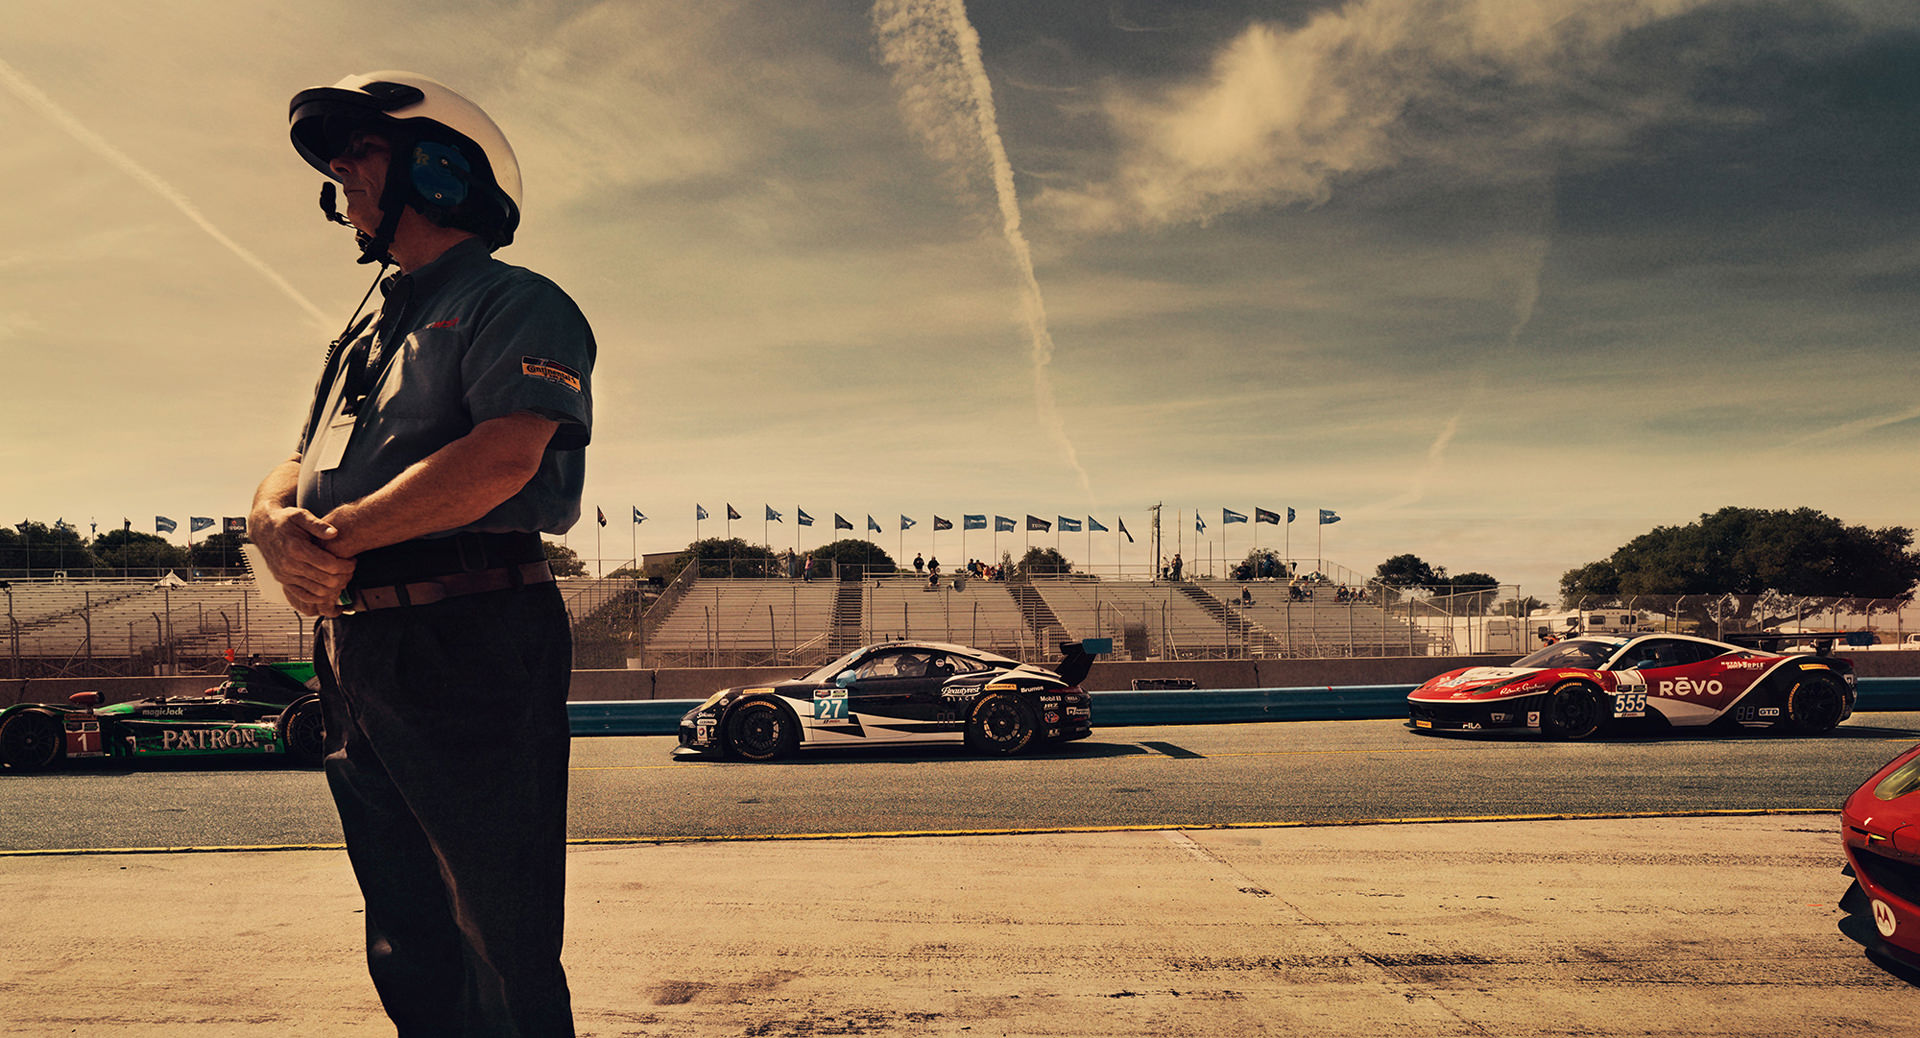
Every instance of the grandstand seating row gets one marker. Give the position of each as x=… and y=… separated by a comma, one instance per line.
x=733, y=620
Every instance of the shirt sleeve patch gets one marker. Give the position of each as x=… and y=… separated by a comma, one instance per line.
x=551, y=370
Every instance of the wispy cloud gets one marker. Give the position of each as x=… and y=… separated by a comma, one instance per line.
x=935, y=54
x=25, y=91
x=1284, y=113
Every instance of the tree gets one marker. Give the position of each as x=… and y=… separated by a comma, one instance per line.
x=1408, y=573
x=852, y=551
x=36, y=548
x=1466, y=592
x=729, y=557
x=1746, y=551
x=133, y=550
x=562, y=559
x=1261, y=564
x=1043, y=562
x=218, y=551
x=1519, y=606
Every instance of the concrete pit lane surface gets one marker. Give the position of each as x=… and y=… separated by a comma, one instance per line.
x=1639, y=926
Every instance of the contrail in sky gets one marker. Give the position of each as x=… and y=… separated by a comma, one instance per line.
x=26, y=91
x=935, y=54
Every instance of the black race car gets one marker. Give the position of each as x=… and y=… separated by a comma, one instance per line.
x=258, y=710
x=901, y=692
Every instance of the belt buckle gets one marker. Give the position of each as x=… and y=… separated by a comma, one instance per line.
x=345, y=602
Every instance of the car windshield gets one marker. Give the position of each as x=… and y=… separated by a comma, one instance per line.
x=1575, y=652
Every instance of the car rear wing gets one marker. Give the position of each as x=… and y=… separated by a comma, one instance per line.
x=1076, y=658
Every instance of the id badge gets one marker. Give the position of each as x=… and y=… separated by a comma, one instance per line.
x=334, y=437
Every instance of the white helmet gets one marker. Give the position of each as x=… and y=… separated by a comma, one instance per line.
x=459, y=170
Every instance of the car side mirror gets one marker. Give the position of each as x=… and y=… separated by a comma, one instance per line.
x=843, y=679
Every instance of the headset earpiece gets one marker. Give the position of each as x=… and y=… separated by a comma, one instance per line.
x=440, y=174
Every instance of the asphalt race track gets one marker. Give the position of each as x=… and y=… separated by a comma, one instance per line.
x=626, y=789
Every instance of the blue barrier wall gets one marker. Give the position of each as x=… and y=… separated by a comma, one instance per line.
x=1211, y=706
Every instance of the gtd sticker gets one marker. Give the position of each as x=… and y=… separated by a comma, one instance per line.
x=1883, y=918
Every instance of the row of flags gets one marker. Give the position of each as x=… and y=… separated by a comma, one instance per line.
x=195, y=523
x=1001, y=523
x=1260, y=515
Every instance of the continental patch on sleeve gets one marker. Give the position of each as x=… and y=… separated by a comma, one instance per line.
x=551, y=370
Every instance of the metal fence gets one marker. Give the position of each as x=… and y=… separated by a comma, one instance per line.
x=122, y=627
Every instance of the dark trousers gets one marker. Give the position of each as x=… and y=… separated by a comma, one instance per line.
x=447, y=746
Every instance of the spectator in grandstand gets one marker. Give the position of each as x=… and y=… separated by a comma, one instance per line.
x=408, y=520
x=919, y=563
x=1176, y=566
x=807, y=572
x=933, y=572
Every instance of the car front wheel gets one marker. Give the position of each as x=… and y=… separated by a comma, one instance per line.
x=1573, y=710
x=31, y=741
x=1001, y=724
x=761, y=730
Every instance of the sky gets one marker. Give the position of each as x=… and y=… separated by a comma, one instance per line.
x=1503, y=284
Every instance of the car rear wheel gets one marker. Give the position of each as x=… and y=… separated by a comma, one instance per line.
x=1001, y=724
x=1814, y=706
x=31, y=740
x=761, y=730
x=1573, y=710
x=303, y=729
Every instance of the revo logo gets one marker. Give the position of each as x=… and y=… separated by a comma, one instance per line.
x=1689, y=687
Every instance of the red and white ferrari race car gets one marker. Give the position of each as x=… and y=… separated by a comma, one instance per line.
x=1574, y=688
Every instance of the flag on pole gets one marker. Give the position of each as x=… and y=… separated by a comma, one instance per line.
x=905, y=523
x=1199, y=524
x=126, y=524
x=871, y=525
x=1261, y=515
x=699, y=512
x=1034, y=522
x=639, y=517
x=235, y=524
x=1093, y=526
x=199, y=522
x=1002, y=524
x=1228, y=515
x=162, y=524
x=1068, y=525
x=1327, y=516
x=800, y=516
x=840, y=522
x=1123, y=529
x=772, y=516
x=731, y=512
x=942, y=524
x=973, y=522
x=1289, y=515
x=600, y=514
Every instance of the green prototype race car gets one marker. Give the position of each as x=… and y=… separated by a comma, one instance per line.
x=259, y=710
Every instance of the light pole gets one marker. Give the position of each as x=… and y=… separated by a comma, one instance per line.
x=13, y=629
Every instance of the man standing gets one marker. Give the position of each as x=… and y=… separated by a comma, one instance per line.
x=444, y=437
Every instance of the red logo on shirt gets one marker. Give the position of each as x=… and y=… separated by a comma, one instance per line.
x=445, y=324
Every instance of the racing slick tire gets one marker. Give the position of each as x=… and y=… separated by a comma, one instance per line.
x=761, y=730
x=1001, y=724
x=1573, y=710
x=303, y=731
x=31, y=740
x=1813, y=706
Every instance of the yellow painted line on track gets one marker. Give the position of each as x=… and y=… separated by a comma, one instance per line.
x=901, y=834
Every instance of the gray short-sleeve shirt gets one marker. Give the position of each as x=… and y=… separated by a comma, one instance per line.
x=462, y=340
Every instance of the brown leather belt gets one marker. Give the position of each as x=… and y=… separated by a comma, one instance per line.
x=437, y=589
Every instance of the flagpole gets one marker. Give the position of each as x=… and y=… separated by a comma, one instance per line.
x=599, y=559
